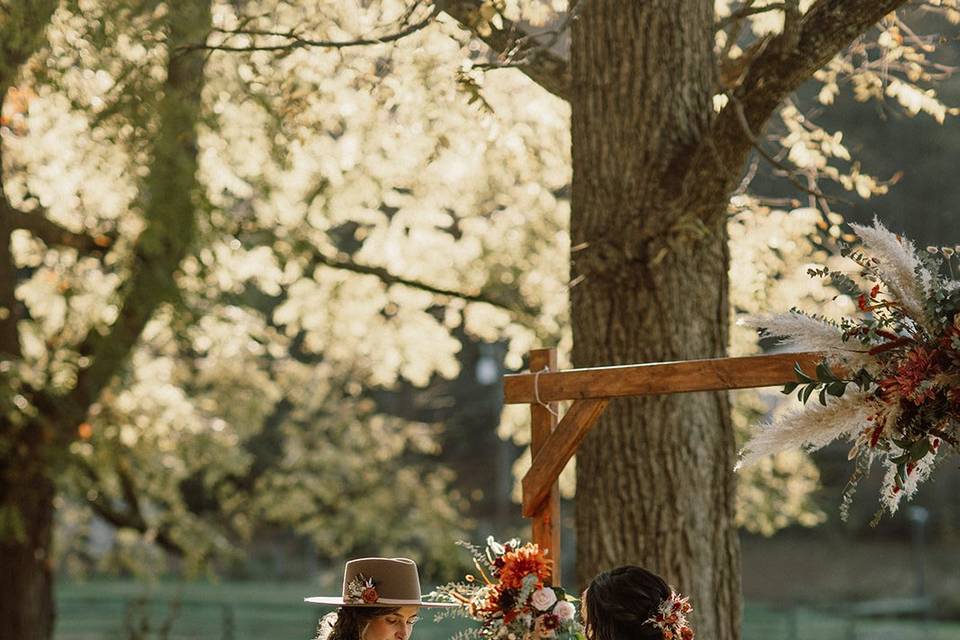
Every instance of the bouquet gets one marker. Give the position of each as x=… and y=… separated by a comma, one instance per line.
x=890, y=378
x=511, y=597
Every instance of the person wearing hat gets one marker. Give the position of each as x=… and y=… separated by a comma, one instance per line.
x=380, y=601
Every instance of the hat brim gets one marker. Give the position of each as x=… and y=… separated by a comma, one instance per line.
x=339, y=602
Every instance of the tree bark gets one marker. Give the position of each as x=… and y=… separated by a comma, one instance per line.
x=26, y=489
x=655, y=483
x=26, y=496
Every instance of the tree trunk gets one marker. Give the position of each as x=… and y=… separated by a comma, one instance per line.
x=655, y=482
x=26, y=498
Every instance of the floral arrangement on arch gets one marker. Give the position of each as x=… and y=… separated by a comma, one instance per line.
x=890, y=379
x=511, y=597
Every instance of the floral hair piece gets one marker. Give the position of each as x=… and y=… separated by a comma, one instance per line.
x=671, y=618
x=361, y=590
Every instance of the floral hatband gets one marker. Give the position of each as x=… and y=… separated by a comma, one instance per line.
x=361, y=590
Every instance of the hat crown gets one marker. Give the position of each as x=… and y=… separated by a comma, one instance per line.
x=395, y=580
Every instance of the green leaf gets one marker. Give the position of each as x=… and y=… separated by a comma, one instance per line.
x=823, y=396
x=789, y=388
x=837, y=389
x=801, y=376
x=901, y=459
x=903, y=443
x=919, y=450
x=824, y=374
x=807, y=392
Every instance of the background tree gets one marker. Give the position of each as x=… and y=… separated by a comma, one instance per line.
x=43, y=416
x=351, y=212
x=651, y=218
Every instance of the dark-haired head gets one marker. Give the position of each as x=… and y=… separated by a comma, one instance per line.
x=618, y=603
x=351, y=623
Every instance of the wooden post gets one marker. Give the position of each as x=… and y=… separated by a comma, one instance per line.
x=546, y=520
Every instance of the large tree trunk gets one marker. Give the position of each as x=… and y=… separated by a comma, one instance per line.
x=26, y=489
x=655, y=482
x=26, y=590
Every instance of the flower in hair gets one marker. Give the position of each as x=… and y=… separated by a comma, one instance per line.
x=671, y=618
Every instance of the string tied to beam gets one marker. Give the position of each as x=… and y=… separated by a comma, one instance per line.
x=536, y=393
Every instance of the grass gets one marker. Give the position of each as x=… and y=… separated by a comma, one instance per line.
x=127, y=610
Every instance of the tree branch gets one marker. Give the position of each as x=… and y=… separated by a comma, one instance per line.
x=827, y=28
x=787, y=171
x=388, y=278
x=541, y=65
x=776, y=67
x=747, y=11
x=296, y=42
x=170, y=214
x=53, y=234
x=129, y=518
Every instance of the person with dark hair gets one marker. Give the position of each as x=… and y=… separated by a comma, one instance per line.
x=380, y=601
x=631, y=603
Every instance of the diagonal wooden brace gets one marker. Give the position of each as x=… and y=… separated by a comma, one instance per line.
x=556, y=451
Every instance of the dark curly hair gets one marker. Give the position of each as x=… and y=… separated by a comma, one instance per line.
x=351, y=621
x=620, y=601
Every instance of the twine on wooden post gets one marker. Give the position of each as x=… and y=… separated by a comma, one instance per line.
x=536, y=393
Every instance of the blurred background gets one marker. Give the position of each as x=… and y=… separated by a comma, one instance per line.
x=380, y=235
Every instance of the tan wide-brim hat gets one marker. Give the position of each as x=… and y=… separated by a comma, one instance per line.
x=379, y=582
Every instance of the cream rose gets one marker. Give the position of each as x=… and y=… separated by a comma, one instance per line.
x=543, y=599
x=565, y=611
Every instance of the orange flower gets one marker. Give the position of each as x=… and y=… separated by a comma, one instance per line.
x=517, y=564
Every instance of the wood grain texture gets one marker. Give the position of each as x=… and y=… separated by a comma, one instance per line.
x=659, y=378
x=546, y=519
x=554, y=454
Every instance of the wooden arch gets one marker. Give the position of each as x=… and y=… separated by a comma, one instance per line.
x=553, y=443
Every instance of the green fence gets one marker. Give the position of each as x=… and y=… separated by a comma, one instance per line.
x=122, y=610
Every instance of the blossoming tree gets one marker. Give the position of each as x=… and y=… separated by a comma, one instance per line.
x=191, y=277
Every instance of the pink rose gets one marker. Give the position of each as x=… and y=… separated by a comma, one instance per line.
x=543, y=599
x=565, y=611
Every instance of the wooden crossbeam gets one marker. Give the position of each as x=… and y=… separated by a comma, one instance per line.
x=555, y=453
x=553, y=445
x=649, y=379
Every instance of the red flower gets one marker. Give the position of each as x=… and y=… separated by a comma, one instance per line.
x=370, y=595
x=550, y=622
x=875, y=436
x=918, y=366
x=686, y=633
x=518, y=564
